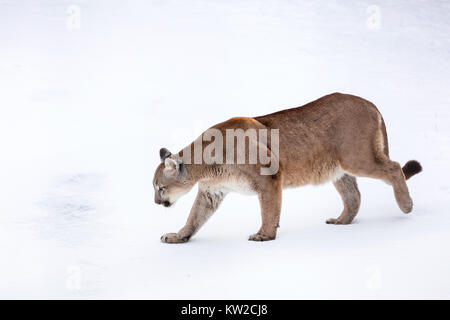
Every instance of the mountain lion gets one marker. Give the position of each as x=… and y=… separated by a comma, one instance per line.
x=336, y=138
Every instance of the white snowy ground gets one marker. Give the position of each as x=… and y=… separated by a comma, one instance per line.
x=85, y=111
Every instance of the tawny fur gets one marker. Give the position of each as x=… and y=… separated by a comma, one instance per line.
x=334, y=138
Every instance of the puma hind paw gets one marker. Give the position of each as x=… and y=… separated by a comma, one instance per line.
x=407, y=205
x=173, y=238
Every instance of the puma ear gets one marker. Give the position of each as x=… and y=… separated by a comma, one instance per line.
x=164, y=154
x=172, y=166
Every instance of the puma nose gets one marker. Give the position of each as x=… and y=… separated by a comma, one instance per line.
x=157, y=201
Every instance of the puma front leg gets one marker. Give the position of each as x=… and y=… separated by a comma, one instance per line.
x=204, y=206
x=270, y=202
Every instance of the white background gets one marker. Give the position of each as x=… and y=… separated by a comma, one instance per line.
x=88, y=95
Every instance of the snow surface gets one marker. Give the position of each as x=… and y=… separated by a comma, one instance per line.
x=85, y=110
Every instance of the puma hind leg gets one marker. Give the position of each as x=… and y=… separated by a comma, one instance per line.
x=348, y=190
x=372, y=160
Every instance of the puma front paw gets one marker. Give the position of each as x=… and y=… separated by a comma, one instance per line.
x=260, y=237
x=339, y=220
x=173, y=238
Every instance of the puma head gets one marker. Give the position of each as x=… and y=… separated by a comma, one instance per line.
x=171, y=179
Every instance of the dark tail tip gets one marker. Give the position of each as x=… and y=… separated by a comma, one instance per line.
x=411, y=168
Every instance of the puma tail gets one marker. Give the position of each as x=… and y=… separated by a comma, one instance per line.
x=412, y=167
